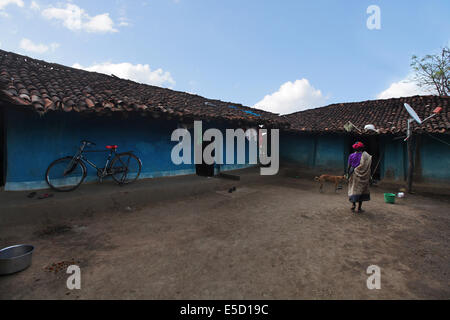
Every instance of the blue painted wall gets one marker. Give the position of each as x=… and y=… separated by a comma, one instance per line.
x=329, y=153
x=33, y=142
x=297, y=149
x=322, y=152
x=393, y=165
x=435, y=158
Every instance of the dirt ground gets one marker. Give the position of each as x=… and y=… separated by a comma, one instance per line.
x=274, y=238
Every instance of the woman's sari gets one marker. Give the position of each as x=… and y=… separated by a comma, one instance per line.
x=358, y=184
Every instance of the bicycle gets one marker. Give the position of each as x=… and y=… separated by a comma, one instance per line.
x=67, y=173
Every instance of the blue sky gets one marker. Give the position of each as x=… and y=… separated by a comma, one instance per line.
x=282, y=56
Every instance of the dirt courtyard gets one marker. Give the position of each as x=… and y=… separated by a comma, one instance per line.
x=274, y=238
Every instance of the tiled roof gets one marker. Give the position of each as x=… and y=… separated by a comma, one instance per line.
x=47, y=87
x=389, y=116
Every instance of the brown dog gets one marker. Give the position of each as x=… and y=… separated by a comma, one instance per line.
x=326, y=177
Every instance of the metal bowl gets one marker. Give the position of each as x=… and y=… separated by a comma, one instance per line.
x=16, y=258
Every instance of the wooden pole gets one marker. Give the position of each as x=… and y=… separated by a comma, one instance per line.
x=409, y=178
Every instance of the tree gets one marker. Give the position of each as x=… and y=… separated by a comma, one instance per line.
x=433, y=71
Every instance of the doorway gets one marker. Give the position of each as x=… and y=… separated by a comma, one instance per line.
x=2, y=147
x=372, y=146
x=204, y=169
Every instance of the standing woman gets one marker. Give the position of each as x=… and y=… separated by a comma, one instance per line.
x=359, y=171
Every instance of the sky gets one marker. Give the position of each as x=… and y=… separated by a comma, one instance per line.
x=282, y=56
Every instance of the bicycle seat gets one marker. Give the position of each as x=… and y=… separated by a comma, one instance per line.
x=111, y=147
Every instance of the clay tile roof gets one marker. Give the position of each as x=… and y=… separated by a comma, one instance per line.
x=48, y=87
x=389, y=116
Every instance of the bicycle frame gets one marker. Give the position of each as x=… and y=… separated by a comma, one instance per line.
x=101, y=172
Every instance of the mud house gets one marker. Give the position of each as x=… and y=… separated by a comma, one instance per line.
x=318, y=142
x=46, y=109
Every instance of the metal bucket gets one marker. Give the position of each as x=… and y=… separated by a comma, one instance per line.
x=16, y=258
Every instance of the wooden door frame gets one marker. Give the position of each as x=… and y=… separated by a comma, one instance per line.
x=3, y=147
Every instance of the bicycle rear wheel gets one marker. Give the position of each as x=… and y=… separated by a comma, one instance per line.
x=65, y=174
x=126, y=168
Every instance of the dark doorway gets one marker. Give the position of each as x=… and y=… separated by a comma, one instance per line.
x=2, y=147
x=372, y=144
x=205, y=170
x=266, y=150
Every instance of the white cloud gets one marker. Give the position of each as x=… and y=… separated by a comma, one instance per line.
x=292, y=97
x=139, y=73
x=100, y=23
x=123, y=22
x=4, y=3
x=35, y=6
x=40, y=48
x=403, y=88
x=76, y=19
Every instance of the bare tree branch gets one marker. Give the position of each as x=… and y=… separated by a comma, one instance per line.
x=433, y=71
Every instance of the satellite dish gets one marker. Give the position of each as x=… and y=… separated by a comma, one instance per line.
x=412, y=113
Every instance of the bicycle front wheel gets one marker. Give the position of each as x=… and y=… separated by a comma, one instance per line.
x=126, y=168
x=65, y=174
